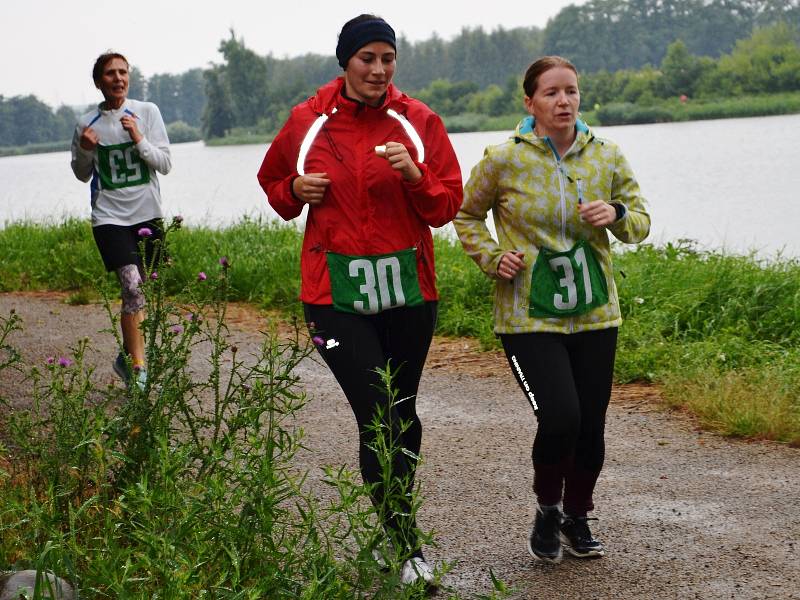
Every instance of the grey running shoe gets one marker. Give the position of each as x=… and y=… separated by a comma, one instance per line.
x=544, y=543
x=578, y=540
x=140, y=378
x=121, y=368
x=416, y=569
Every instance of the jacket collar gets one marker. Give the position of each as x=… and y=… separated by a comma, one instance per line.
x=330, y=97
x=524, y=132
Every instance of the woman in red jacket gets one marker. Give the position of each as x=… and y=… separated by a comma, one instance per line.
x=377, y=171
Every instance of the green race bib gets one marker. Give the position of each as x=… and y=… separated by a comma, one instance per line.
x=367, y=285
x=565, y=284
x=121, y=166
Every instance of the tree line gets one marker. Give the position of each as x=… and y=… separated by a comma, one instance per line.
x=627, y=51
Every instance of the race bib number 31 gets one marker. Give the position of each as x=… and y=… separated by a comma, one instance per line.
x=368, y=285
x=565, y=284
x=121, y=166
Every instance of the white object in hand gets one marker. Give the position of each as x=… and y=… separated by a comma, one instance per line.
x=380, y=150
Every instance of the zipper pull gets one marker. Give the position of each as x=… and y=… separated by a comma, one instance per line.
x=579, y=184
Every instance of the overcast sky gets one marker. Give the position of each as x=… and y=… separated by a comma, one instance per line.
x=47, y=47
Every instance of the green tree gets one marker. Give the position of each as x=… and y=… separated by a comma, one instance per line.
x=680, y=71
x=137, y=85
x=218, y=114
x=769, y=61
x=245, y=75
x=65, y=121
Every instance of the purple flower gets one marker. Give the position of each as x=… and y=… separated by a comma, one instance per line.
x=201, y=276
x=177, y=329
x=145, y=232
x=177, y=219
x=193, y=317
x=154, y=275
x=223, y=260
x=51, y=360
x=318, y=340
x=64, y=362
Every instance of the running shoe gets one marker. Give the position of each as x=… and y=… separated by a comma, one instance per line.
x=416, y=569
x=121, y=368
x=577, y=538
x=382, y=554
x=544, y=543
x=140, y=378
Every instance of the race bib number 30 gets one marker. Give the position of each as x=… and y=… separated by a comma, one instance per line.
x=368, y=285
x=565, y=284
x=121, y=166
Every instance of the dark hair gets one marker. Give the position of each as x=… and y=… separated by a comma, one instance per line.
x=102, y=61
x=360, y=31
x=543, y=65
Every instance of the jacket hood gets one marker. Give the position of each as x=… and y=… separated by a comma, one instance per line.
x=329, y=96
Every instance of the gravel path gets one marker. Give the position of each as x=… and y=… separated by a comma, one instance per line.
x=683, y=513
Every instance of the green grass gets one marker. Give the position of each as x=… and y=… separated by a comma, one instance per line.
x=699, y=109
x=704, y=325
x=35, y=148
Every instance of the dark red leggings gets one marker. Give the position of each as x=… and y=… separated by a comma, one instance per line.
x=567, y=379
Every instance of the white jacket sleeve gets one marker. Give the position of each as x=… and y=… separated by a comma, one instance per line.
x=154, y=145
x=82, y=160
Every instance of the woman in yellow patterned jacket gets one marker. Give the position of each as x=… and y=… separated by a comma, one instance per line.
x=555, y=191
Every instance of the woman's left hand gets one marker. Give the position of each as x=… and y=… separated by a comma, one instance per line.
x=129, y=125
x=598, y=213
x=398, y=156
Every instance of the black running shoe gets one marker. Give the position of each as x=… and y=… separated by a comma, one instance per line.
x=121, y=368
x=543, y=542
x=578, y=539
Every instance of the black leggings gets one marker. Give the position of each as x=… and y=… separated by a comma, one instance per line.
x=567, y=379
x=354, y=347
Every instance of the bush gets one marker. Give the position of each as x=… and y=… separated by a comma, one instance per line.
x=626, y=113
x=180, y=132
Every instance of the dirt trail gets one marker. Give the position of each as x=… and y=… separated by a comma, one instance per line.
x=684, y=514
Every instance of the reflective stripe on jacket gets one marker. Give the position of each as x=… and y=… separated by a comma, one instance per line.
x=533, y=196
x=368, y=208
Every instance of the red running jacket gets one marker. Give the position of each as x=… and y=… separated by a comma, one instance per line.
x=368, y=208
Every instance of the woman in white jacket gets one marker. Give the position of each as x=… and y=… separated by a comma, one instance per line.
x=121, y=146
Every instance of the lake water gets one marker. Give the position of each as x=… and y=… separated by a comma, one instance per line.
x=731, y=184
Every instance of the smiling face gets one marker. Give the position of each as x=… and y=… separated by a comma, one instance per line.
x=113, y=82
x=555, y=102
x=369, y=72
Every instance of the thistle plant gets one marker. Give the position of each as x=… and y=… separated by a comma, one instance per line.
x=187, y=488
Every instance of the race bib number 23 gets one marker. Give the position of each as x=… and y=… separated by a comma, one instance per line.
x=121, y=166
x=368, y=285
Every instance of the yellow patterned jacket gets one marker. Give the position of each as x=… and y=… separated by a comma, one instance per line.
x=533, y=196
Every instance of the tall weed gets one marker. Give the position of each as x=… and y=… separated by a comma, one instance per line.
x=186, y=488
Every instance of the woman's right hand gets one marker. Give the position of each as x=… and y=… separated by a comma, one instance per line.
x=310, y=188
x=89, y=139
x=511, y=263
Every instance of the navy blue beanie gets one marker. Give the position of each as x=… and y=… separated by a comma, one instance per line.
x=358, y=35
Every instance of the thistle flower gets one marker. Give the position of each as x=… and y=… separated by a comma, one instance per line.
x=177, y=220
x=154, y=275
x=177, y=329
x=318, y=340
x=145, y=232
x=51, y=360
x=201, y=276
x=223, y=261
x=64, y=362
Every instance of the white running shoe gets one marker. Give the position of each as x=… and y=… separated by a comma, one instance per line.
x=416, y=569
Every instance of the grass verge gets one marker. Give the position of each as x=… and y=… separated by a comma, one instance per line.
x=705, y=325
